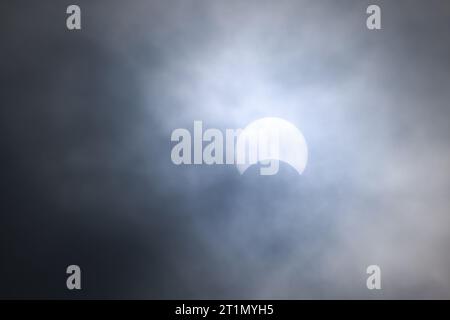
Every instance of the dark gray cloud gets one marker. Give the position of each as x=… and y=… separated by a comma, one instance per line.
x=86, y=119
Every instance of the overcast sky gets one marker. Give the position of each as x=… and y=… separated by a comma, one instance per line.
x=87, y=179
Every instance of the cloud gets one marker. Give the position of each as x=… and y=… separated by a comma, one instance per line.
x=87, y=122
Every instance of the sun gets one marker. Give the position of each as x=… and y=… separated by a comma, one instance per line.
x=269, y=140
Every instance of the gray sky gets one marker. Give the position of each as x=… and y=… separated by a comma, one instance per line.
x=87, y=179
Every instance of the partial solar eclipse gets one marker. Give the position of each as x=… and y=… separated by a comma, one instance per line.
x=268, y=139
